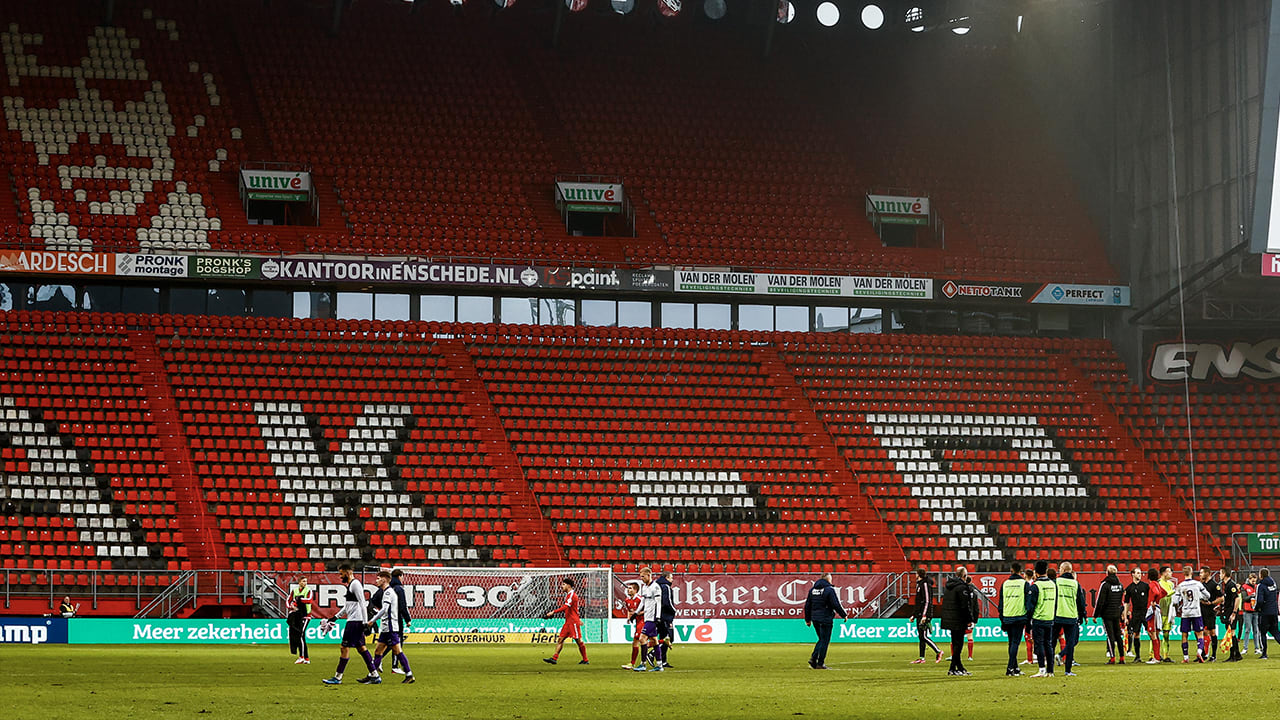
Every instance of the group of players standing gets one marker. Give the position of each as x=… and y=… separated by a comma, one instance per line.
x=649, y=607
x=388, y=605
x=1046, y=607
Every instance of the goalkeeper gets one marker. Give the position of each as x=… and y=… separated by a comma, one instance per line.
x=572, y=628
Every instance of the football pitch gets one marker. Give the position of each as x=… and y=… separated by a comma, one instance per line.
x=707, y=682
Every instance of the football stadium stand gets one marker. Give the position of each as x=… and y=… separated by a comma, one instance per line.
x=148, y=442
x=439, y=136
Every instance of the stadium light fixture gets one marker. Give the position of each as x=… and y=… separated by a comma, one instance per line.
x=670, y=8
x=872, y=17
x=1019, y=23
x=915, y=19
x=786, y=11
x=960, y=26
x=622, y=7
x=714, y=9
x=828, y=14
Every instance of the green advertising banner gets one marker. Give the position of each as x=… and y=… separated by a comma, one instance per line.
x=131, y=631
x=1264, y=542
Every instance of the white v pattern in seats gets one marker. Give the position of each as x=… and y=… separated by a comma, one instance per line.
x=53, y=475
x=357, y=467
x=688, y=489
x=948, y=459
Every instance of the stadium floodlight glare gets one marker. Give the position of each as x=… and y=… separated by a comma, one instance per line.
x=714, y=9
x=873, y=17
x=828, y=14
x=915, y=19
x=786, y=11
x=622, y=7
x=1019, y=23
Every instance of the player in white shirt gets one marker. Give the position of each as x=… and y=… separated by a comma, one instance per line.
x=1186, y=603
x=650, y=611
x=395, y=616
x=353, y=634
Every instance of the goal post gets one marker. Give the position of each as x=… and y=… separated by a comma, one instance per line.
x=461, y=604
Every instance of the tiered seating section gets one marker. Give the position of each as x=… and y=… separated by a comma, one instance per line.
x=85, y=487
x=1235, y=431
x=314, y=442
x=984, y=450
x=316, y=446
x=114, y=134
x=439, y=133
x=669, y=447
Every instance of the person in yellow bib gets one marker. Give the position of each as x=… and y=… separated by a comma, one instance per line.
x=1017, y=598
x=300, y=598
x=1042, y=616
x=1069, y=613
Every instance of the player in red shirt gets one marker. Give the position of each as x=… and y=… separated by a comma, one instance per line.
x=632, y=603
x=572, y=622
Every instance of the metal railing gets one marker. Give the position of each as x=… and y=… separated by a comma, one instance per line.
x=92, y=586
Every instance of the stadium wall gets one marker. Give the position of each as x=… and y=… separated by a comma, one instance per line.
x=1215, y=58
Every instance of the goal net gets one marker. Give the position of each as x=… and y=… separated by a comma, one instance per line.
x=452, y=604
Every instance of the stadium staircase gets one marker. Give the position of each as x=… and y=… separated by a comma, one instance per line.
x=533, y=532
x=873, y=535
x=204, y=542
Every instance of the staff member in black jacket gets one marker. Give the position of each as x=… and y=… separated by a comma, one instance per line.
x=959, y=612
x=1017, y=597
x=1110, y=607
x=820, y=610
x=923, y=616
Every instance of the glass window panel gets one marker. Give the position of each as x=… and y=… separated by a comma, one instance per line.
x=355, y=306
x=391, y=307
x=475, y=309
x=51, y=297
x=140, y=300
x=635, y=314
x=754, y=317
x=714, y=316
x=831, y=319
x=226, y=301
x=677, y=315
x=519, y=311
x=557, y=311
x=600, y=313
x=439, y=308
x=789, y=318
x=98, y=298
x=188, y=301
x=271, y=303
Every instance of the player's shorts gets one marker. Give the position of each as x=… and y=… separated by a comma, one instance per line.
x=664, y=628
x=1167, y=623
x=1192, y=624
x=650, y=629
x=1136, y=623
x=571, y=631
x=353, y=634
x=637, y=630
x=390, y=639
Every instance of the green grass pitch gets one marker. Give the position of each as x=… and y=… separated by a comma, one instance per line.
x=742, y=682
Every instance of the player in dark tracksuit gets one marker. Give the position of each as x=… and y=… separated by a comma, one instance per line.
x=923, y=616
x=666, y=618
x=820, y=610
x=1110, y=607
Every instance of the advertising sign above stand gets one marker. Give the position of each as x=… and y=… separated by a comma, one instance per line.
x=899, y=210
x=591, y=197
x=277, y=185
